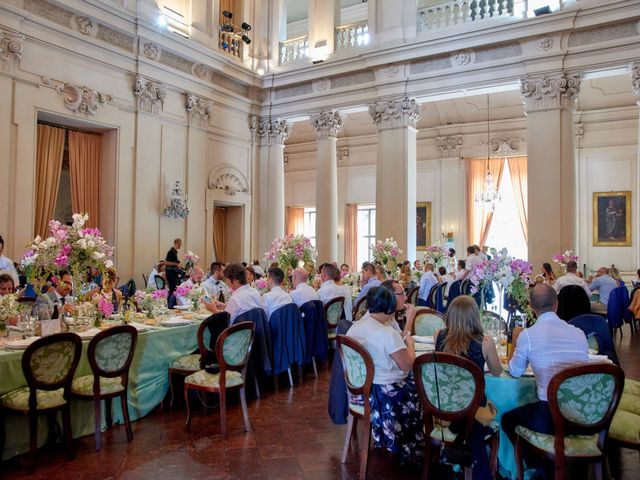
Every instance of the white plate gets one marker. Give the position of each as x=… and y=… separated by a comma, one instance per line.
x=181, y=307
x=419, y=339
x=175, y=322
x=201, y=316
x=21, y=344
x=89, y=334
x=140, y=327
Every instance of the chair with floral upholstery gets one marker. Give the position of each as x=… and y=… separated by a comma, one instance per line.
x=332, y=313
x=233, y=349
x=110, y=354
x=625, y=426
x=427, y=321
x=48, y=365
x=582, y=401
x=451, y=390
x=412, y=297
x=360, y=309
x=358, y=374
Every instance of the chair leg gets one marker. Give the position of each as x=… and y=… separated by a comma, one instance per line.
x=255, y=382
x=493, y=459
x=33, y=435
x=519, y=462
x=245, y=410
x=171, y=389
x=599, y=470
x=275, y=383
x=125, y=415
x=2, y=434
x=223, y=413
x=107, y=412
x=427, y=459
x=290, y=377
x=186, y=402
x=364, y=453
x=468, y=475
x=315, y=368
x=97, y=414
x=68, y=434
x=347, y=439
x=300, y=374
x=559, y=464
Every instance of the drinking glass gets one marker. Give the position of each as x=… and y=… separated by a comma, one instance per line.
x=43, y=311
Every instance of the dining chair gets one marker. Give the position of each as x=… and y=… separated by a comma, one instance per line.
x=360, y=309
x=454, y=398
x=624, y=431
x=233, y=349
x=454, y=291
x=160, y=283
x=332, y=313
x=358, y=374
x=145, y=277
x=427, y=321
x=287, y=340
x=315, y=333
x=48, y=365
x=582, y=401
x=412, y=298
x=110, y=354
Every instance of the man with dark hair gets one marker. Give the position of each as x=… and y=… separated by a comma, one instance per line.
x=215, y=284
x=571, y=278
x=328, y=289
x=275, y=297
x=7, y=285
x=243, y=297
x=401, y=306
x=60, y=295
x=172, y=265
x=368, y=280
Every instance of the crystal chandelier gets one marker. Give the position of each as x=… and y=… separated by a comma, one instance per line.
x=178, y=206
x=489, y=195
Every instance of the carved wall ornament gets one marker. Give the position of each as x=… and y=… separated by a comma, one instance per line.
x=395, y=113
x=80, y=99
x=320, y=85
x=550, y=91
x=149, y=95
x=578, y=131
x=327, y=123
x=635, y=79
x=502, y=147
x=229, y=179
x=200, y=70
x=392, y=71
x=198, y=109
x=545, y=43
x=11, y=46
x=151, y=50
x=449, y=146
x=84, y=25
x=462, y=58
x=266, y=130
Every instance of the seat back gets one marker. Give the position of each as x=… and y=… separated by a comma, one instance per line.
x=172, y=301
x=592, y=341
x=287, y=337
x=617, y=308
x=358, y=368
x=233, y=349
x=412, y=298
x=427, y=321
x=110, y=353
x=50, y=362
x=465, y=287
x=360, y=308
x=159, y=282
x=454, y=291
x=332, y=311
x=262, y=353
x=431, y=297
x=315, y=330
x=145, y=278
x=573, y=301
x=208, y=332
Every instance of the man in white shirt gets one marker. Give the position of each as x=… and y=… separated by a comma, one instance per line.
x=195, y=279
x=215, y=284
x=472, y=258
x=550, y=346
x=329, y=289
x=427, y=281
x=571, y=278
x=6, y=264
x=243, y=297
x=275, y=297
x=156, y=272
x=368, y=280
x=302, y=292
x=603, y=284
x=258, y=269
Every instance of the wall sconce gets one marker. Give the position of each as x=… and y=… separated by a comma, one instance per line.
x=178, y=206
x=448, y=236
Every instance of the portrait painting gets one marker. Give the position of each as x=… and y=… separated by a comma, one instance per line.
x=423, y=225
x=612, y=219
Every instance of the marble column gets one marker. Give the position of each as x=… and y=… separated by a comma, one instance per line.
x=269, y=135
x=396, y=171
x=635, y=85
x=549, y=101
x=328, y=124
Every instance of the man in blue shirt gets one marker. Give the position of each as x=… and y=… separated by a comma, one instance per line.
x=368, y=280
x=604, y=284
x=427, y=281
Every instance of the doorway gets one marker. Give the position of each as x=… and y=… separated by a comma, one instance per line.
x=228, y=233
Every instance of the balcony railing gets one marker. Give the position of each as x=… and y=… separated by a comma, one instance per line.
x=457, y=12
x=294, y=49
x=229, y=44
x=352, y=35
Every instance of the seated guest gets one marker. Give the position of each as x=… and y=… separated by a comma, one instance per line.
x=462, y=271
x=417, y=265
x=108, y=290
x=89, y=285
x=473, y=258
x=344, y=269
x=406, y=279
x=195, y=279
x=158, y=271
x=302, y=292
x=215, y=285
x=550, y=346
x=547, y=274
x=59, y=295
x=427, y=281
x=347, y=293
x=463, y=336
x=251, y=274
x=329, y=289
x=408, y=310
x=381, y=273
x=7, y=265
x=367, y=280
x=243, y=297
x=603, y=284
x=615, y=274
x=257, y=269
x=396, y=416
x=275, y=297
x=636, y=282
x=7, y=285
x=571, y=278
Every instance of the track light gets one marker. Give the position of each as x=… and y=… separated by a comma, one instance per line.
x=234, y=32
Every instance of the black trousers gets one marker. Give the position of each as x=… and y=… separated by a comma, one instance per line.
x=173, y=277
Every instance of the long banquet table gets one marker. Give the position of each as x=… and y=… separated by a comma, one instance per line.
x=148, y=384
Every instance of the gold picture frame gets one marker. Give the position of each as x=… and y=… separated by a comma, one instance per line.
x=423, y=225
x=612, y=219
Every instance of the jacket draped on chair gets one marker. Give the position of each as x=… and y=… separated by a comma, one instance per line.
x=287, y=337
x=315, y=329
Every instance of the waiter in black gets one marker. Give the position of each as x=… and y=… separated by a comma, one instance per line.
x=172, y=264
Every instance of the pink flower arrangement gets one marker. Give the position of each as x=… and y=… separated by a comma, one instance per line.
x=291, y=250
x=190, y=260
x=105, y=306
x=386, y=252
x=435, y=253
x=563, y=258
x=159, y=294
x=261, y=286
x=183, y=290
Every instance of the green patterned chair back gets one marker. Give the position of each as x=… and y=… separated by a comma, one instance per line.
x=427, y=321
x=111, y=351
x=412, y=298
x=361, y=309
x=358, y=368
x=208, y=336
x=333, y=311
x=50, y=362
x=234, y=347
x=592, y=340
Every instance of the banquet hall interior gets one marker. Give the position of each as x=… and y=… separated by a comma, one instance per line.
x=359, y=128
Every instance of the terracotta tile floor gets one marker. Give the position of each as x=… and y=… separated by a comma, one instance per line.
x=293, y=438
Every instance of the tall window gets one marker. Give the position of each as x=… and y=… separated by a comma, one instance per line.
x=310, y=224
x=366, y=233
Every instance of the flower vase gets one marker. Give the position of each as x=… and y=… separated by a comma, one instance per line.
x=150, y=314
x=97, y=321
x=3, y=327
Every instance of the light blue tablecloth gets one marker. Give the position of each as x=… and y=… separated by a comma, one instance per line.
x=148, y=384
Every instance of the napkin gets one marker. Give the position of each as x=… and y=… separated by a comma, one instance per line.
x=87, y=334
x=599, y=359
x=420, y=339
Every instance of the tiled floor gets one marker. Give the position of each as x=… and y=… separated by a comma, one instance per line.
x=293, y=438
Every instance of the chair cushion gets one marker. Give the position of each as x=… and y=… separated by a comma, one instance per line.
x=187, y=362
x=440, y=431
x=359, y=409
x=625, y=427
x=629, y=403
x=212, y=380
x=19, y=399
x=574, y=445
x=84, y=385
x=631, y=386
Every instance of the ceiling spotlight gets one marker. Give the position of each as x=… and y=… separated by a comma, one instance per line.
x=260, y=71
x=227, y=14
x=162, y=21
x=233, y=32
x=542, y=11
x=245, y=38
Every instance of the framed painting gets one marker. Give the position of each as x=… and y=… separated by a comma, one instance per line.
x=612, y=219
x=423, y=225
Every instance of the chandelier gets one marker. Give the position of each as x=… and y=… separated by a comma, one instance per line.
x=489, y=195
x=178, y=206
x=233, y=32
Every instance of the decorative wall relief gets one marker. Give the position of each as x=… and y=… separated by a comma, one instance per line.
x=149, y=95
x=229, y=179
x=11, y=46
x=199, y=110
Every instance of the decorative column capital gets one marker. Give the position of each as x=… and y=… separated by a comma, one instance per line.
x=149, y=95
x=449, y=146
x=198, y=109
x=10, y=46
x=327, y=123
x=268, y=131
x=549, y=91
x=395, y=113
x=635, y=80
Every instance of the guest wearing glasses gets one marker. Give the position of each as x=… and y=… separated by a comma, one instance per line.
x=60, y=294
x=276, y=297
x=402, y=307
x=7, y=285
x=243, y=297
x=396, y=412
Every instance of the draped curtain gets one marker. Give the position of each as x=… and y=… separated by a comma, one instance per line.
x=219, y=233
x=295, y=221
x=351, y=236
x=478, y=216
x=518, y=173
x=85, y=151
x=49, y=153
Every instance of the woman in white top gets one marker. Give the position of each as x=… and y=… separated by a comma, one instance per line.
x=396, y=412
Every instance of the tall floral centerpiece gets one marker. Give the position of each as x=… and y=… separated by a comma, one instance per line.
x=151, y=301
x=291, y=252
x=386, y=253
x=190, y=260
x=561, y=259
x=435, y=254
x=9, y=308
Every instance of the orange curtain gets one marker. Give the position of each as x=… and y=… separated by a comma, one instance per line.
x=219, y=233
x=295, y=220
x=85, y=152
x=479, y=217
x=351, y=236
x=518, y=173
x=49, y=153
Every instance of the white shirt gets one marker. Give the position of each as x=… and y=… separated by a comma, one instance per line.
x=427, y=282
x=571, y=279
x=348, y=301
x=472, y=260
x=7, y=266
x=274, y=299
x=151, y=282
x=549, y=346
x=180, y=300
x=214, y=287
x=303, y=293
x=380, y=341
x=329, y=290
x=242, y=300
x=258, y=270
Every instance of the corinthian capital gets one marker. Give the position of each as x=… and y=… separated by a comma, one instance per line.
x=549, y=91
x=635, y=80
x=267, y=130
x=395, y=113
x=327, y=123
